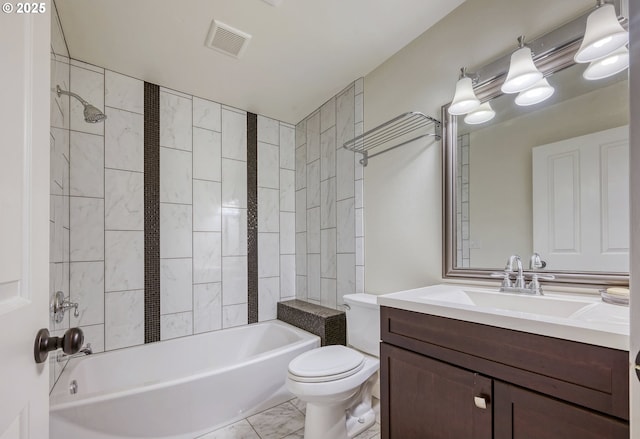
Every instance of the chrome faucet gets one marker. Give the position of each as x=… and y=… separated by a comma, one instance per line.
x=520, y=282
x=81, y=353
x=520, y=285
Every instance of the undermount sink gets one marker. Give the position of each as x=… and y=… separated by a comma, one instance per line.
x=540, y=305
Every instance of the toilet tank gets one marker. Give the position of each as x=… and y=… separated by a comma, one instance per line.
x=363, y=323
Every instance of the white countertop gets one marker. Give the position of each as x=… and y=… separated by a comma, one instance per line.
x=577, y=317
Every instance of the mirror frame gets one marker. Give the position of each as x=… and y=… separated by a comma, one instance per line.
x=556, y=60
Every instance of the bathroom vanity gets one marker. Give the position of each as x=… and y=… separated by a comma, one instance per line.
x=471, y=369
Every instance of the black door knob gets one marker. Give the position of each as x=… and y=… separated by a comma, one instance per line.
x=70, y=342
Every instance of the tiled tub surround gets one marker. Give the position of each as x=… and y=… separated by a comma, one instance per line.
x=329, y=201
x=193, y=390
x=202, y=213
x=327, y=323
x=59, y=225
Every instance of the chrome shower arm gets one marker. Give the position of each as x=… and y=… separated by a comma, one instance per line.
x=60, y=91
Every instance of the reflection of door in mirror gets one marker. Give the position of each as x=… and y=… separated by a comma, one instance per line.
x=581, y=202
x=493, y=175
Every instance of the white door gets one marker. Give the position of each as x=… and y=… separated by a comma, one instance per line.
x=24, y=221
x=581, y=202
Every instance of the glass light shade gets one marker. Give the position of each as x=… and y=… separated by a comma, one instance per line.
x=484, y=113
x=523, y=73
x=540, y=91
x=603, y=35
x=609, y=65
x=464, y=99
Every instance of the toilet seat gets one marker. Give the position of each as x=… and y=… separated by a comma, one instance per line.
x=325, y=364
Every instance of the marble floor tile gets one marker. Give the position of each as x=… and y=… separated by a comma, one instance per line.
x=372, y=433
x=297, y=435
x=285, y=421
x=300, y=405
x=239, y=430
x=277, y=422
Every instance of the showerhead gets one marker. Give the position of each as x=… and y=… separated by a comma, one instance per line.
x=91, y=113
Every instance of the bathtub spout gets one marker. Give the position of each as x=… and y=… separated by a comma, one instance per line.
x=81, y=353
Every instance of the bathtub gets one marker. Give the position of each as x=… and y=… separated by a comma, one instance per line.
x=177, y=389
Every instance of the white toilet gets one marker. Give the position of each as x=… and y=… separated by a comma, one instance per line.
x=336, y=381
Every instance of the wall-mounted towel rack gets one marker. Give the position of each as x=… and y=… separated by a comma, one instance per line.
x=394, y=133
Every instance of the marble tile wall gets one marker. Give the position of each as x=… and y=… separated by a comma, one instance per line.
x=177, y=257
x=59, y=225
x=276, y=215
x=203, y=213
x=234, y=217
x=207, y=216
x=90, y=242
x=329, y=220
x=124, y=211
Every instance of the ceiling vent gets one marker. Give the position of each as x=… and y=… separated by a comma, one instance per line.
x=227, y=39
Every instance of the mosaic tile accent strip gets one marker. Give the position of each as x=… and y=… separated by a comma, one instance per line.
x=151, y=212
x=252, y=216
x=327, y=323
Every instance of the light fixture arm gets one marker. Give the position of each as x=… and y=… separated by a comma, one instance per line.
x=464, y=74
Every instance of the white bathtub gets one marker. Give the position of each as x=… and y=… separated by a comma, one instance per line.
x=178, y=389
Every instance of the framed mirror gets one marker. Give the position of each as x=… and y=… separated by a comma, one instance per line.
x=550, y=178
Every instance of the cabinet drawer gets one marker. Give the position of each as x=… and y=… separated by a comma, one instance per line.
x=591, y=376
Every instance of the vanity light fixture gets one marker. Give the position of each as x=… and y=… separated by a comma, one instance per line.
x=523, y=73
x=484, y=113
x=609, y=65
x=540, y=91
x=464, y=99
x=604, y=34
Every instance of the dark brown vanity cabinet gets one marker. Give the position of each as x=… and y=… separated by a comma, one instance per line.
x=445, y=378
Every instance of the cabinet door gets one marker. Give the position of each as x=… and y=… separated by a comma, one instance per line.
x=424, y=398
x=522, y=414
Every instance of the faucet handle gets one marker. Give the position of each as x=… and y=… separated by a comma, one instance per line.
x=506, y=280
x=535, y=286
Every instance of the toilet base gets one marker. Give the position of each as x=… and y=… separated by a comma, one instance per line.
x=356, y=425
x=341, y=421
x=333, y=422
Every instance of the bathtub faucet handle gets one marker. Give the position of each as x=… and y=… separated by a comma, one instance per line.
x=60, y=304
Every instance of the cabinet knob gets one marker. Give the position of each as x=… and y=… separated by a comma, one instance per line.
x=481, y=401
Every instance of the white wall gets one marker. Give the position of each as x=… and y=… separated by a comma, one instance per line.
x=403, y=188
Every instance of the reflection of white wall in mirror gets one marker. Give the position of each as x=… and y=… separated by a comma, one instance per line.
x=581, y=202
x=500, y=198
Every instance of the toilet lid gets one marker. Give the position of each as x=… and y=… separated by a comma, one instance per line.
x=327, y=363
